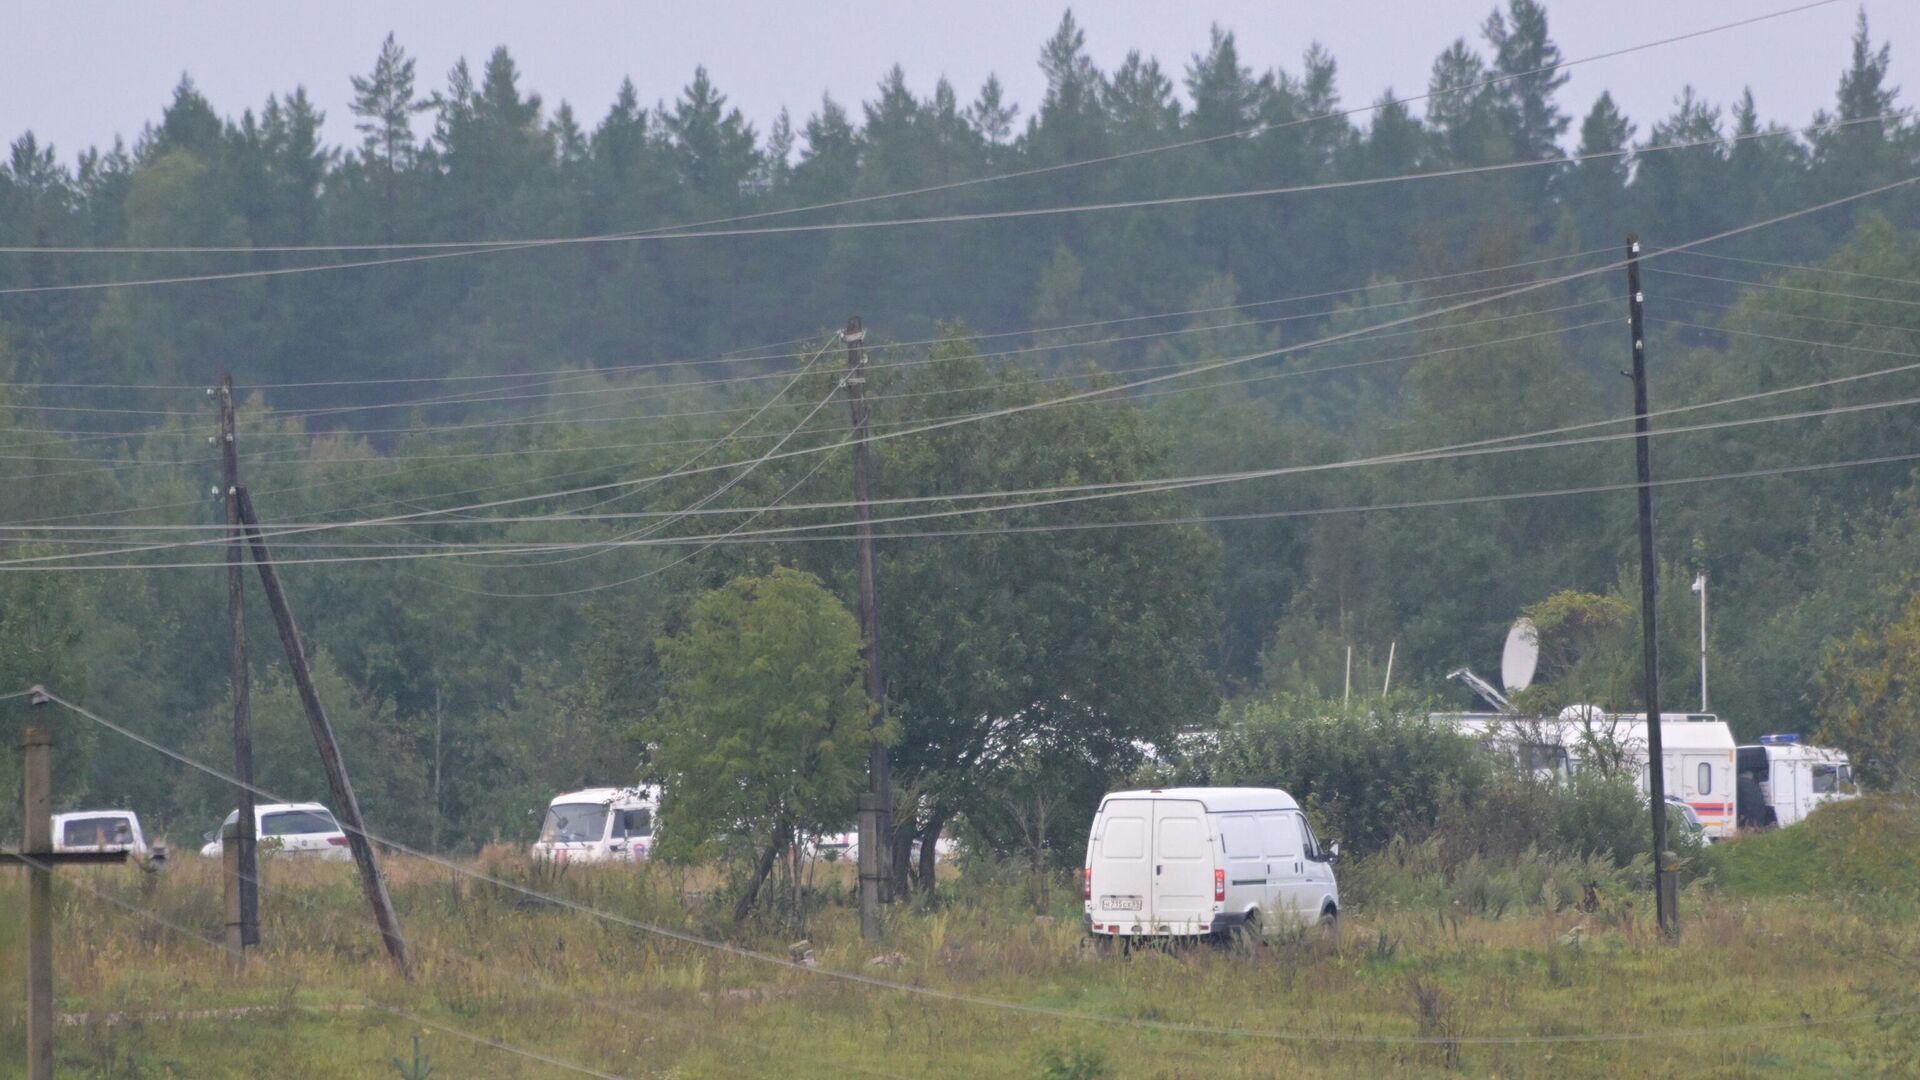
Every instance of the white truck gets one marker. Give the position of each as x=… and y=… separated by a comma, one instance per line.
x=1697, y=752
x=99, y=830
x=599, y=825
x=1782, y=780
x=1185, y=862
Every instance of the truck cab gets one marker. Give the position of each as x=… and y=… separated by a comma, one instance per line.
x=599, y=825
x=1782, y=780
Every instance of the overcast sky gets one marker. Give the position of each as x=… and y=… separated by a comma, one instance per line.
x=79, y=72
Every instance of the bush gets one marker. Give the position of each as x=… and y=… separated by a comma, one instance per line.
x=1366, y=774
x=1423, y=875
x=1863, y=847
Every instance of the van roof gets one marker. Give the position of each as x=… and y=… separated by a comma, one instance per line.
x=616, y=795
x=94, y=813
x=1216, y=799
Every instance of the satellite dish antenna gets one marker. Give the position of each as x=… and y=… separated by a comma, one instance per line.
x=1520, y=657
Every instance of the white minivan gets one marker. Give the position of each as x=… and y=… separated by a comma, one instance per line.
x=1175, y=862
x=599, y=825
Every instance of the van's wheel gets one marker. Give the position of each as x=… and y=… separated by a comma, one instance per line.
x=1330, y=921
x=1245, y=937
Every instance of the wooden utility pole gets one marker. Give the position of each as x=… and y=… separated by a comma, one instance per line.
x=37, y=855
x=243, y=868
x=344, y=803
x=876, y=805
x=1665, y=874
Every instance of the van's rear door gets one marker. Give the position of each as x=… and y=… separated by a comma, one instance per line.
x=1121, y=862
x=1182, y=893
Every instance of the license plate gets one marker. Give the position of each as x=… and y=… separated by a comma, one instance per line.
x=1120, y=903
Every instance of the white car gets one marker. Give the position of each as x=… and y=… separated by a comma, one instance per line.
x=304, y=829
x=1185, y=862
x=99, y=830
x=599, y=825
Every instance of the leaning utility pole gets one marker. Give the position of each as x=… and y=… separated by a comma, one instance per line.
x=344, y=802
x=876, y=805
x=1665, y=874
x=243, y=878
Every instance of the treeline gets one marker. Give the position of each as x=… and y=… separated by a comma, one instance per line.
x=1032, y=656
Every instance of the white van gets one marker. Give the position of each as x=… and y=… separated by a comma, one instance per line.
x=599, y=825
x=99, y=830
x=1783, y=779
x=1178, y=862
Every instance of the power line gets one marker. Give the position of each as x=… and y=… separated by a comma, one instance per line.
x=1789, y=288
x=1117, y=489
x=483, y=246
x=1806, y=268
x=957, y=997
x=984, y=215
x=1216, y=365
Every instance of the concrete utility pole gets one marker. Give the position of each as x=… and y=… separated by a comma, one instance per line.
x=345, y=804
x=37, y=855
x=876, y=806
x=1665, y=874
x=243, y=866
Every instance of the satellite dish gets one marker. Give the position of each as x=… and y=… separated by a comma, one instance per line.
x=1520, y=657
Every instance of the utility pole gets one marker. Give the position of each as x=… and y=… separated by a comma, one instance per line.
x=876, y=805
x=345, y=804
x=243, y=868
x=37, y=855
x=1666, y=870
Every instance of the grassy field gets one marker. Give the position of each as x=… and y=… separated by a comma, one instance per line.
x=1806, y=980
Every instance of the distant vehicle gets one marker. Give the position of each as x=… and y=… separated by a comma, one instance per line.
x=1783, y=779
x=1683, y=817
x=845, y=847
x=100, y=830
x=1697, y=752
x=599, y=825
x=835, y=847
x=1183, y=862
x=307, y=830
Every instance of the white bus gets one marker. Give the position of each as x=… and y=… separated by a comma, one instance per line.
x=1697, y=751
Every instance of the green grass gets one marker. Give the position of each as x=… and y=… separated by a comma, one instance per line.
x=1866, y=848
x=627, y=1003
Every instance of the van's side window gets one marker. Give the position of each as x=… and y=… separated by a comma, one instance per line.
x=1706, y=778
x=639, y=822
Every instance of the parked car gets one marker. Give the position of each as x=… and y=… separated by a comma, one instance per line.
x=1684, y=818
x=304, y=829
x=1182, y=862
x=100, y=830
x=599, y=825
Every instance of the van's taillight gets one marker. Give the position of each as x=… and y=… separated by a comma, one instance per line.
x=1219, y=884
x=1086, y=883
x=337, y=841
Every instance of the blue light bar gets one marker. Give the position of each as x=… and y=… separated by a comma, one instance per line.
x=1779, y=740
